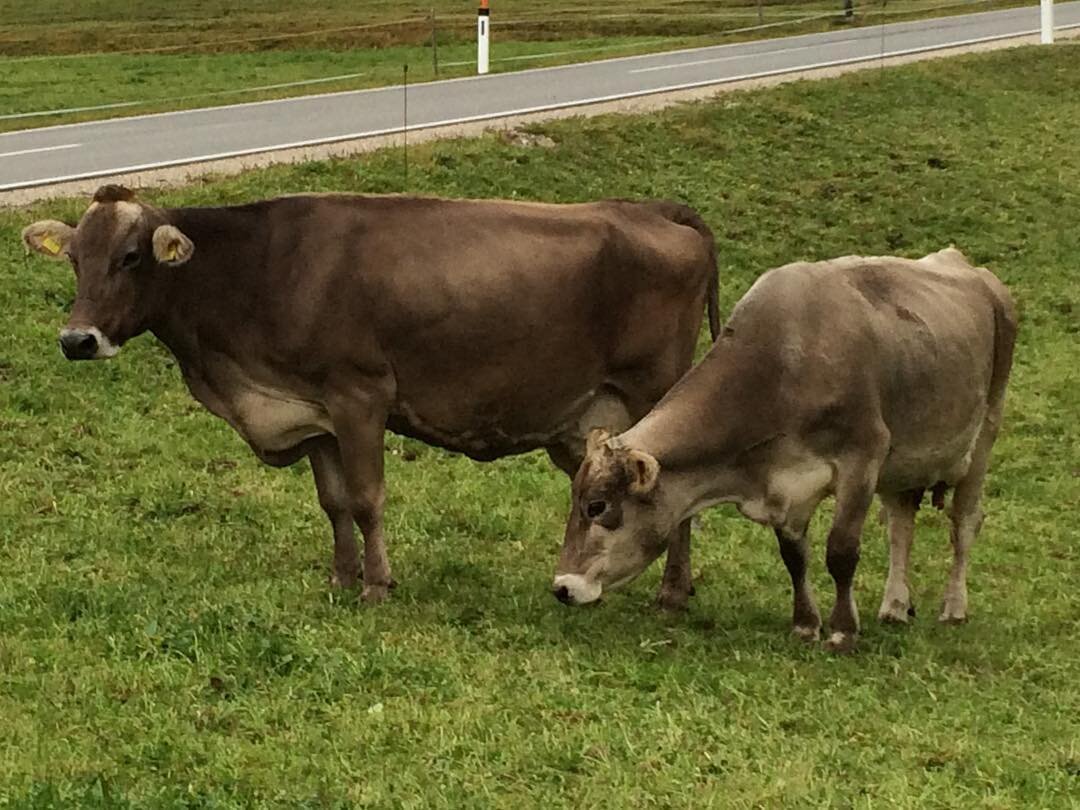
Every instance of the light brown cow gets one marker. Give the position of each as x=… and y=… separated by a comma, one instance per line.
x=845, y=377
x=313, y=323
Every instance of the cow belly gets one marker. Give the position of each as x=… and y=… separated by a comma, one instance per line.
x=485, y=433
x=273, y=422
x=917, y=466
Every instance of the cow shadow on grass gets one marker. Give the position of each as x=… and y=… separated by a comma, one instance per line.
x=515, y=612
x=474, y=549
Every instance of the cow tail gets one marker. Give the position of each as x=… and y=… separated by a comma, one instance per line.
x=685, y=215
x=712, y=300
x=1005, y=329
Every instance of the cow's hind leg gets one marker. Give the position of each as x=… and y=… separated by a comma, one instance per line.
x=805, y=618
x=966, y=515
x=329, y=475
x=900, y=508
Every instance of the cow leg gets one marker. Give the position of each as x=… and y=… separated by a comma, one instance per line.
x=359, y=423
x=900, y=508
x=334, y=499
x=677, y=585
x=615, y=414
x=565, y=459
x=964, y=530
x=966, y=515
x=854, y=493
x=805, y=619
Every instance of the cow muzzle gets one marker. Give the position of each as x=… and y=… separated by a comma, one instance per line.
x=573, y=589
x=86, y=344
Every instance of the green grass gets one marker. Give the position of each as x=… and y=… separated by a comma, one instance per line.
x=168, y=638
x=203, y=52
x=67, y=27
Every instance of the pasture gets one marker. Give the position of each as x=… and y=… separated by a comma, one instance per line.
x=59, y=54
x=167, y=637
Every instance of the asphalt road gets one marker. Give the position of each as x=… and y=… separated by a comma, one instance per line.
x=71, y=152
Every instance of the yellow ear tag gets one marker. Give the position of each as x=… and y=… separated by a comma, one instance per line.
x=50, y=245
x=170, y=254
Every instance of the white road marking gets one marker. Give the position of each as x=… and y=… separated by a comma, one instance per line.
x=749, y=55
x=870, y=33
x=41, y=181
x=148, y=101
x=40, y=149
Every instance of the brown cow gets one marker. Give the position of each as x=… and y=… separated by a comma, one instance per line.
x=312, y=323
x=845, y=377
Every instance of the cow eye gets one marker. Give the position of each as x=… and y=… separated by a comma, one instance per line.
x=595, y=509
x=131, y=259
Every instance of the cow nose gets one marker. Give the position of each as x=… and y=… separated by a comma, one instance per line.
x=78, y=345
x=562, y=593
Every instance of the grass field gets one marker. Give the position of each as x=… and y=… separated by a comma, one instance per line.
x=167, y=637
x=157, y=55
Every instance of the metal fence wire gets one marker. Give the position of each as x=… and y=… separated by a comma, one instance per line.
x=788, y=20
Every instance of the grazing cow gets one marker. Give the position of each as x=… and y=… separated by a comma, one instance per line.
x=845, y=377
x=312, y=323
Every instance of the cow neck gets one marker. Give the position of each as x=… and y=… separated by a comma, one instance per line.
x=702, y=431
x=200, y=292
x=724, y=406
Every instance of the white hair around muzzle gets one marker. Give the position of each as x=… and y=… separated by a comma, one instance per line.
x=578, y=590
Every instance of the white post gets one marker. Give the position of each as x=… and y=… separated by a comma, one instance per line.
x=1047, y=20
x=483, y=36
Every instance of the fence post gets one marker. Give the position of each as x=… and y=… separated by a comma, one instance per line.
x=1046, y=17
x=434, y=45
x=483, y=35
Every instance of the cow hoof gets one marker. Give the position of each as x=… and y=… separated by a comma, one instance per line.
x=808, y=634
x=895, y=612
x=343, y=580
x=952, y=617
x=375, y=593
x=953, y=608
x=672, y=600
x=841, y=643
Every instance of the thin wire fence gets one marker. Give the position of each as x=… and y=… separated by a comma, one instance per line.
x=217, y=43
x=190, y=97
x=865, y=10
x=567, y=18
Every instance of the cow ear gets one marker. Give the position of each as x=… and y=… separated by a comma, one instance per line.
x=49, y=238
x=644, y=471
x=595, y=441
x=171, y=247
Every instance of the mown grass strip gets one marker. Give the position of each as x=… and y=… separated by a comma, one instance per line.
x=171, y=61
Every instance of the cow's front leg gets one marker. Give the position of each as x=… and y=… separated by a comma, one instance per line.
x=805, y=619
x=359, y=420
x=677, y=586
x=329, y=475
x=854, y=493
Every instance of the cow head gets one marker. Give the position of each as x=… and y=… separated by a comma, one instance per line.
x=617, y=524
x=117, y=250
